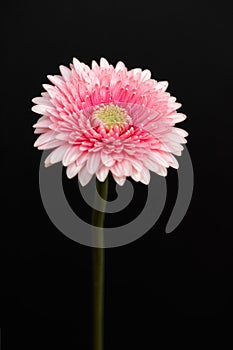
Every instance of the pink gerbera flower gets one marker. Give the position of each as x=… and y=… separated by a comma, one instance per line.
x=108, y=119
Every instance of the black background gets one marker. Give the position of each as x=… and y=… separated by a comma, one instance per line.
x=160, y=289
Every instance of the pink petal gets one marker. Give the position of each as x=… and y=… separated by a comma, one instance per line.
x=162, y=171
x=51, y=144
x=77, y=65
x=136, y=175
x=151, y=165
x=156, y=157
x=119, y=66
x=44, y=123
x=127, y=167
x=119, y=180
x=146, y=74
x=107, y=159
x=102, y=173
x=84, y=176
x=145, y=176
x=56, y=155
x=66, y=72
x=104, y=63
x=180, y=132
x=44, y=138
x=41, y=109
x=71, y=155
x=73, y=170
x=41, y=130
x=93, y=162
x=42, y=101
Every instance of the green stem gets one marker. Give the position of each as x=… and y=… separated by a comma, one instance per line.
x=98, y=270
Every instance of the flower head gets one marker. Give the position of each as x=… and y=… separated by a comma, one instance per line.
x=103, y=119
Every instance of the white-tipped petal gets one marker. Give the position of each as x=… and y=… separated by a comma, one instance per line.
x=43, y=123
x=146, y=74
x=136, y=164
x=119, y=180
x=57, y=80
x=104, y=63
x=73, y=170
x=161, y=85
x=44, y=138
x=119, y=66
x=180, y=132
x=151, y=165
x=40, y=130
x=102, y=173
x=42, y=101
x=136, y=175
x=41, y=109
x=174, y=137
x=145, y=176
x=51, y=144
x=94, y=64
x=84, y=176
x=156, y=157
x=164, y=85
x=56, y=155
x=173, y=162
x=162, y=171
x=66, y=72
x=77, y=65
x=71, y=155
x=93, y=162
x=107, y=159
x=127, y=167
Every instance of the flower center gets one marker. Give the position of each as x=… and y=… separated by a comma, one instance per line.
x=112, y=115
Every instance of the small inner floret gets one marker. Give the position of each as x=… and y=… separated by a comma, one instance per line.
x=112, y=115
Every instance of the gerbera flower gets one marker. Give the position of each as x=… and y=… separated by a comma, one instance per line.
x=103, y=119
